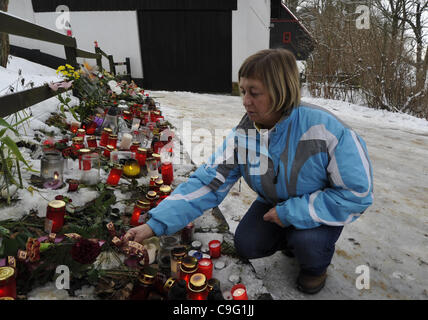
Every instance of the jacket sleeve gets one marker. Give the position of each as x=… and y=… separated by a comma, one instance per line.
x=205, y=189
x=348, y=195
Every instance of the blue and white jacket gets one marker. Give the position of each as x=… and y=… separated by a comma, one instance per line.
x=310, y=165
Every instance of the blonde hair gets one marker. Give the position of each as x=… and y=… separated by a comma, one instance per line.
x=277, y=70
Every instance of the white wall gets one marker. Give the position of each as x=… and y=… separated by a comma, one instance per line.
x=116, y=33
x=250, y=31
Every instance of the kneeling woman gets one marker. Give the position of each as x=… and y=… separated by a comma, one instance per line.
x=311, y=172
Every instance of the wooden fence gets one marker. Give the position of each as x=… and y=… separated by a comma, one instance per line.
x=15, y=102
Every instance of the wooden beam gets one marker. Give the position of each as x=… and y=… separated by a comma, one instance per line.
x=18, y=101
x=18, y=27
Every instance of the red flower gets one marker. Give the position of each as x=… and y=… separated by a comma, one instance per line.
x=85, y=251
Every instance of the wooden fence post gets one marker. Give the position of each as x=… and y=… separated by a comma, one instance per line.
x=112, y=66
x=99, y=60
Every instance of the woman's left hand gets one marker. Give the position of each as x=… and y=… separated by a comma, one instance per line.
x=272, y=216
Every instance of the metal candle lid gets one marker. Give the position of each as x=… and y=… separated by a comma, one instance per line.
x=151, y=195
x=77, y=139
x=112, y=136
x=56, y=204
x=168, y=284
x=91, y=137
x=147, y=278
x=156, y=156
x=178, y=252
x=189, y=264
x=165, y=189
x=159, y=182
x=143, y=204
x=198, y=282
x=84, y=150
x=108, y=130
x=142, y=150
x=6, y=273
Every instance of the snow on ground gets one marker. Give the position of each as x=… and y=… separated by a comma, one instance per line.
x=391, y=238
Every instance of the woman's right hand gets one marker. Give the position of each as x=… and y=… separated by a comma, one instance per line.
x=138, y=234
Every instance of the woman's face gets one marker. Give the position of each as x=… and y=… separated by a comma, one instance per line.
x=257, y=102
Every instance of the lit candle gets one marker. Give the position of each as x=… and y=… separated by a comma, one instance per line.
x=81, y=133
x=55, y=216
x=131, y=169
x=112, y=140
x=239, y=292
x=167, y=172
x=74, y=126
x=126, y=141
x=104, y=136
x=206, y=267
x=139, y=215
x=188, y=266
x=215, y=248
x=127, y=115
x=197, y=287
x=7, y=282
x=114, y=175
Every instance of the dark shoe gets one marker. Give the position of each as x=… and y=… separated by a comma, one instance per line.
x=311, y=284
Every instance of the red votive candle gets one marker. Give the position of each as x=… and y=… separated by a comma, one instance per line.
x=114, y=175
x=55, y=216
x=188, y=267
x=167, y=172
x=74, y=126
x=139, y=214
x=197, y=288
x=239, y=292
x=205, y=266
x=91, y=141
x=134, y=147
x=112, y=140
x=141, y=156
x=81, y=133
x=104, y=136
x=127, y=115
x=7, y=282
x=107, y=151
x=215, y=248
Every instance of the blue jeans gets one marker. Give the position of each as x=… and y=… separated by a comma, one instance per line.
x=313, y=248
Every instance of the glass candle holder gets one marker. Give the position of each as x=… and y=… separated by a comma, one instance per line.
x=74, y=126
x=177, y=255
x=86, y=165
x=90, y=170
x=105, y=136
x=77, y=144
x=215, y=248
x=114, y=175
x=152, y=197
x=112, y=140
x=141, y=156
x=107, y=151
x=90, y=126
x=143, y=287
x=205, y=266
x=187, y=233
x=91, y=141
x=152, y=169
x=7, y=282
x=127, y=115
x=140, y=212
x=188, y=266
x=51, y=170
x=55, y=216
x=167, y=243
x=197, y=287
x=131, y=168
x=157, y=158
x=239, y=292
x=134, y=147
x=167, y=173
x=81, y=133
x=158, y=184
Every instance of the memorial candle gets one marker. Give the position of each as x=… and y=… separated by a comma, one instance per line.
x=139, y=215
x=55, y=213
x=167, y=172
x=125, y=142
x=104, y=136
x=7, y=282
x=215, y=248
x=239, y=292
x=91, y=141
x=74, y=126
x=115, y=174
x=141, y=156
x=112, y=140
x=206, y=267
x=188, y=266
x=197, y=287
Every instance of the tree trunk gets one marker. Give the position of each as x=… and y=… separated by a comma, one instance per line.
x=4, y=38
